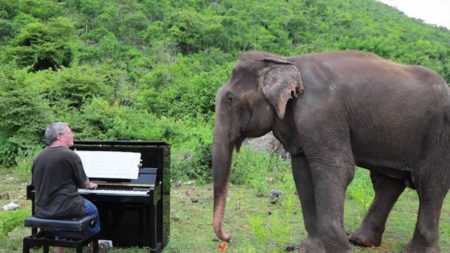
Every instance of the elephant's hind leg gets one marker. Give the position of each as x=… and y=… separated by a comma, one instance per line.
x=387, y=191
x=426, y=235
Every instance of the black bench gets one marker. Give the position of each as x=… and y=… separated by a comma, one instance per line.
x=72, y=233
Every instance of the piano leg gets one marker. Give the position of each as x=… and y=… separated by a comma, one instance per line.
x=153, y=218
x=157, y=248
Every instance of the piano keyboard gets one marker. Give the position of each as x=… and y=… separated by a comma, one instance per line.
x=113, y=192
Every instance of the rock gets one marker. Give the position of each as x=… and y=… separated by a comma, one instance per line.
x=291, y=247
x=11, y=206
x=269, y=143
x=191, y=193
x=274, y=196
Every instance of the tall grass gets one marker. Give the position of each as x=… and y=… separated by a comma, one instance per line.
x=258, y=169
x=361, y=189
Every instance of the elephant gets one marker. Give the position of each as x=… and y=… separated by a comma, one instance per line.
x=333, y=111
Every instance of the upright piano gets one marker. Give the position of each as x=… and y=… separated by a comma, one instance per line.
x=133, y=212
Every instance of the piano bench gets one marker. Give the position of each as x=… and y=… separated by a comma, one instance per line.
x=72, y=233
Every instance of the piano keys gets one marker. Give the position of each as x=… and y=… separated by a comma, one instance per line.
x=114, y=192
x=133, y=212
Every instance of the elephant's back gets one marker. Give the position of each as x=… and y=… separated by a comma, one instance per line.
x=362, y=73
x=387, y=106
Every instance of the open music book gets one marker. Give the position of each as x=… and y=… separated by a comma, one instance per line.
x=110, y=164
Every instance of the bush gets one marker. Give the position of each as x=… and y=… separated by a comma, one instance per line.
x=258, y=169
x=41, y=46
x=10, y=220
x=191, y=156
x=193, y=163
x=23, y=120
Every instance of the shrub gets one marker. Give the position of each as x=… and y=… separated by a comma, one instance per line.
x=257, y=169
x=41, y=46
x=22, y=122
x=10, y=220
x=191, y=156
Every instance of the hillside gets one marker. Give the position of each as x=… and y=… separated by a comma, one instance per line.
x=149, y=69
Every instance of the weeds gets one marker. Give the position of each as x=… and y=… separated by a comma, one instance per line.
x=361, y=188
x=23, y=167
x=12, y=219
x=258, y=169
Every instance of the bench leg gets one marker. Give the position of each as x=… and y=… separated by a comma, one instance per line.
x=95, y=245
x=25, y=247
x=46, y=248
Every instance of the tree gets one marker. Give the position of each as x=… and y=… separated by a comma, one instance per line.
x=44, y=46
x=24, y=115
x=41, y=9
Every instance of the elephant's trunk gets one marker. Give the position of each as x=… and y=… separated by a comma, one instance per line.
x=221, y=162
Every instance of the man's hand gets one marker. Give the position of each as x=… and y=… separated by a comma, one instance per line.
x=89, y=185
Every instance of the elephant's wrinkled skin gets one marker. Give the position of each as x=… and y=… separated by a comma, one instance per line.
x=332, y=111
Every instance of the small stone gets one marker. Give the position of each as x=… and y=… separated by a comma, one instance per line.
x=274, y=196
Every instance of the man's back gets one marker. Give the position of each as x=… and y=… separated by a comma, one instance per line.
x=57, y=175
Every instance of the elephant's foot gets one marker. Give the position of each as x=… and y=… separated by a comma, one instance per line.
x=315, y=245
x=414, y=248
x=312, y=245
x=365, y=238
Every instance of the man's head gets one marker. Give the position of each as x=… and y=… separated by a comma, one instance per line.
x=59, y=134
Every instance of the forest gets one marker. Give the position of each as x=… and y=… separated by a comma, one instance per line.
x=149, y=69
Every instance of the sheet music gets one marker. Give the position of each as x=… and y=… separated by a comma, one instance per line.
x=110, y=164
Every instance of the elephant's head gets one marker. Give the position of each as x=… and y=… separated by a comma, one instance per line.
x=258, y=91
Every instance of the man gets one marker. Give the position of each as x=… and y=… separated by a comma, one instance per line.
x=57, y=173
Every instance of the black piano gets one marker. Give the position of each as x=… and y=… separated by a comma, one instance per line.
x=133, y=212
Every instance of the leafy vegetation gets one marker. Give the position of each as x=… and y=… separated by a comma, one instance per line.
x=149, y=69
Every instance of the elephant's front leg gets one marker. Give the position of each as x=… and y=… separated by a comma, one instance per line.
x=387, y=191
x=305, y=190
x=331, y=172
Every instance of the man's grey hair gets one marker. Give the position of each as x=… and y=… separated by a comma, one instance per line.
x=54, y=130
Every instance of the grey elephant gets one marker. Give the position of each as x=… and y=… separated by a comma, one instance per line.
x=332, y=111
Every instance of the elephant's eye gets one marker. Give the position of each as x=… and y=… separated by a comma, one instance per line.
x=229, y=99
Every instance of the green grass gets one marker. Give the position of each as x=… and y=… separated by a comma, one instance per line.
x=256, y=225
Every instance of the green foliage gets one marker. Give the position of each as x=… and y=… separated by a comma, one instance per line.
x=6, y=29
x=10, y=220
x=270, y=229
x=149, y=69
x=8, y=9
x=41, y=9
x=24, y=161
x=192, y=157
x=43, y=46
x=361, y=188
x=257, y=169
x=24, y=116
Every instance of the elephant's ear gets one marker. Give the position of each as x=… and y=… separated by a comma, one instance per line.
x=280, y=81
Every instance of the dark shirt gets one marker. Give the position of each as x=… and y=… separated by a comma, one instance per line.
x=57, y=174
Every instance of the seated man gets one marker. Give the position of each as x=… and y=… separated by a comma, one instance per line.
x=57, y=173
